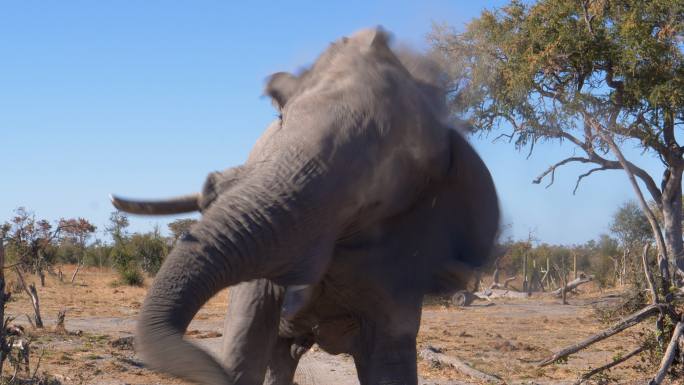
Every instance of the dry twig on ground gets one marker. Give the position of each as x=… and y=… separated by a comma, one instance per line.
x=609, y=365
x=432, y=354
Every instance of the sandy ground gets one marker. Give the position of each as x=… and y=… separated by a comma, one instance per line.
x=506, y=338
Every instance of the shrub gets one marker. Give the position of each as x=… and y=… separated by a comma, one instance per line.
x=132, y=277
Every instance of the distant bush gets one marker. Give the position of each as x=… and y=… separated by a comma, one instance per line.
x=149, y=250
x=132, y=277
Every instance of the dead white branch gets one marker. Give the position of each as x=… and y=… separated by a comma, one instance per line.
x=552, y=170
x=33, y=294
x=649, y=275
x=432, y=354
x=669, y=355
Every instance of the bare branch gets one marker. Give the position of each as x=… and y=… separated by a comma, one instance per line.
x=609, y=365
x=509, y=136
x=553, y=168
x=529, y=153
x=586, y=174
x=587, y=18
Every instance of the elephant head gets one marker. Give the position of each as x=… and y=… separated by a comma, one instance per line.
x=358, y=141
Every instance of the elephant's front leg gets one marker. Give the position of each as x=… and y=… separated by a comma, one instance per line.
x=386, y=359
x=251, y=329
x=284, y=360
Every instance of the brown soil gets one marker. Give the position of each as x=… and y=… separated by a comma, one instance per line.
x=505, y=339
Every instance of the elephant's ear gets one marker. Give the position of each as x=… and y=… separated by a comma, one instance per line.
x=453, y=227
x=470, y=195
x=218, y=182
x=280, y=87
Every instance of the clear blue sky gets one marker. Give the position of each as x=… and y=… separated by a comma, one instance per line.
x=144, y=98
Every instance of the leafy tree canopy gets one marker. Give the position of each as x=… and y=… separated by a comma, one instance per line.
x=555, y=69
x=630, y=225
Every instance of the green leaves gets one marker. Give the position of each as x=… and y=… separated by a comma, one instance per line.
x=537, y=69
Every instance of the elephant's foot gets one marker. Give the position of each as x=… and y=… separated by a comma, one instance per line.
x=283, y=363
x=397, y=367
x=387, y=361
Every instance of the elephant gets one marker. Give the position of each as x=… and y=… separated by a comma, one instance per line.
x=356, y=202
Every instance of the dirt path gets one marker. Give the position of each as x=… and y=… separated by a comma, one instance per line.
x=320, y=368
x=315, y=368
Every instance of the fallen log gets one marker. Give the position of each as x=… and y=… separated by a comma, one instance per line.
x=432, y=354
x=572, y=285
x=500, y=293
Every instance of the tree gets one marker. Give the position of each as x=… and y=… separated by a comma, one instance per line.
x=31, y=241
x=631, y=226
x=75, y=232
x=118, y=222
x=180, y=227
x=149, y=249
x=591, y=73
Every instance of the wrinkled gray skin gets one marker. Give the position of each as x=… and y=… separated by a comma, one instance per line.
x=351, y=207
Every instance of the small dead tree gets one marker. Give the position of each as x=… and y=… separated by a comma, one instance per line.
x=495, y=277
x=35, y=301
x=78, y=268
x=4, y=348
x=60, y=321
x=563, y=278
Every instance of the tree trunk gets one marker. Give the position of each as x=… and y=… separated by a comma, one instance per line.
x=525, y=282
x=78, y=268
x=672, y=217
x=3, y=297
x=623, y=272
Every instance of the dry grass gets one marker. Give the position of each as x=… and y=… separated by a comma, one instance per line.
x=94, y=303
x=506, y=339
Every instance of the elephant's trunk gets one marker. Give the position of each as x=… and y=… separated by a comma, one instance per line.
x=223, y=249
x=257, y=230
x=187, y=280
